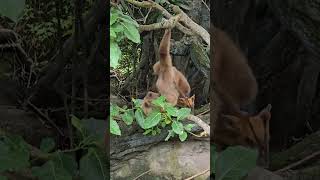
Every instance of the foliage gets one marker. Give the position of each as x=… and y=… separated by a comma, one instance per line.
x=234, y=163
x=61, y=165
x=47, y=145
x=12, y=9
x=14, y=153
x=164, y=114
x=121, y=26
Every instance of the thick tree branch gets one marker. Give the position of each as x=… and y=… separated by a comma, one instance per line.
x=194, y=27
x=201, y=123
x=170, y=23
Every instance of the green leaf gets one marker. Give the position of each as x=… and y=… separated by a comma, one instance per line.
x=95, y=126
x=167, y=120
x=153, y=132
x=47, y=144
x=117, y=28
x=139, y=117
x=183, y=136
x=152, y=120
x=115, y=54
x=93, y=165
x=213, y=159
x=172, y=111
x=114, y=15
x=12, y=8
x=113, y=34
x=76, y=122
x=114, y=110
x=189, y=127
x=127, y=117
x=160, y=101
x=170, y=134
x=131, y=32
x=128, y=19
x=3, y=177
x=147, y=131
x=14, y=153
x=177, y=127
x=183, y=113
x=65, y=161
x=235, y=162
x=51, y=171
x=114, y=127
x=137, y=103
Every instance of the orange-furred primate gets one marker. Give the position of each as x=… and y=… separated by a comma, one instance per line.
x=171, y=83
x=235, y=86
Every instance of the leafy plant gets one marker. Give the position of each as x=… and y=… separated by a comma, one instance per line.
x=12, y=9
x=235, y=162
x=60, y=165
x=121, y=26
x=164, y=114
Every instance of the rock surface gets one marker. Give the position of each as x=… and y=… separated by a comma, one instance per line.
x=167, y=160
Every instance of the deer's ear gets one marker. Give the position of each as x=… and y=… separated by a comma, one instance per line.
x=265, y=114
x=231, y=122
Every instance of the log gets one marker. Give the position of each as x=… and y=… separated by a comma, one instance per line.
x=306, y=147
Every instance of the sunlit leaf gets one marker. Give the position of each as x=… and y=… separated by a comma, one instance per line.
x=172, y=111
x=128, y=19
x=131, y=32
x=114, y=127
x=177, y=127
x=189, y=127
x=140, y=118
x=160, y=101
x=183, y=113
x=127, y=117
x=152, y=120
x=115, y=54
x=183, y=136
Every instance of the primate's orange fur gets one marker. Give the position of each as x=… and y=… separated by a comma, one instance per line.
x=171, y=83
x=235, y=86
x=147, y=105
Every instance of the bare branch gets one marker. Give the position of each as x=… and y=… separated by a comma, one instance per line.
x=201, y=123
x=192, y=25
x=164, y=24
x=151, y=4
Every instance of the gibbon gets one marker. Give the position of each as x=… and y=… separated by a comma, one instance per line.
x=171, y=83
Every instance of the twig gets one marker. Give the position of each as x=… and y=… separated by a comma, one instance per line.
x=142, y=174
x=204, y=112
x=206, y=5
x=201, y=123
x=199, y=174
x=45, y=117
x=298, y=162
